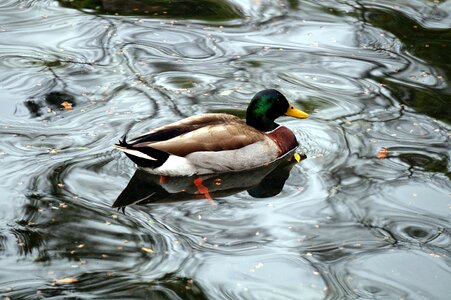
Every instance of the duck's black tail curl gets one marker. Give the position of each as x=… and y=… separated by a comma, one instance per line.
x=156, y=158
x=123, y=142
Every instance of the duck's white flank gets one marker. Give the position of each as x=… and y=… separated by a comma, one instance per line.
x=174, y=166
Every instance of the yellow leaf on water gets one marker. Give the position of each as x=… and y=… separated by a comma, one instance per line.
x=147, y=250
x=297, y=157
x=66, y=280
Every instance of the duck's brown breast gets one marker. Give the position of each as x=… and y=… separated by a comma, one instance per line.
x=284, y=138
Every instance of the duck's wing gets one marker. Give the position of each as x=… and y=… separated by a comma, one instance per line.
x=183, y=126
x=218, y=137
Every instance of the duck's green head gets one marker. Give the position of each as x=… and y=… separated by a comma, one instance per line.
x=268, y=105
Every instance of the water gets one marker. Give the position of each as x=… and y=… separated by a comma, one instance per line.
x=76, y=75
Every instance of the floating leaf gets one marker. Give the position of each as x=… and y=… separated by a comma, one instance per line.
x=66, y=280
x=67, y=105
x=225, y=93
x=147, y=250
x=297, y=157
x=54, y=150
x=381, y=154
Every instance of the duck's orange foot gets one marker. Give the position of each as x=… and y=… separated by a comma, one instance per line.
x=164, y=179
x=202, y=189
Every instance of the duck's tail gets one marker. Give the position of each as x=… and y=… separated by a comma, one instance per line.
x=143, y=156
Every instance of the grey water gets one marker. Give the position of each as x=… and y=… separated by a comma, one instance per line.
x=366, y=215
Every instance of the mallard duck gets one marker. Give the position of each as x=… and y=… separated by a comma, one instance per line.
x=266, y=181
x=217, y=142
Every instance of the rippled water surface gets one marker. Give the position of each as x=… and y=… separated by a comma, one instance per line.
x=366, y=215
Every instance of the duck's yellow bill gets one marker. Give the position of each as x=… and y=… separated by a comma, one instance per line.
x=294, y=112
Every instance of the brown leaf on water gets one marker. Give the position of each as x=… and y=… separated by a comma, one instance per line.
x=67, y=105
x=383, y=153
x=66, y=280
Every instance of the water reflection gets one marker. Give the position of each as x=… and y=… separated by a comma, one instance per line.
x=214, y=10
x=347, y=224
x=262, y=182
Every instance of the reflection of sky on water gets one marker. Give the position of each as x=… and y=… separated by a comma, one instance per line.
x=346, y=224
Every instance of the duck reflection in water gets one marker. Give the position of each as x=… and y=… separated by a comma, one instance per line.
x=262, y=182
